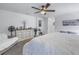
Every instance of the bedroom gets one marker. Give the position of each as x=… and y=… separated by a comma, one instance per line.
x=22, y=26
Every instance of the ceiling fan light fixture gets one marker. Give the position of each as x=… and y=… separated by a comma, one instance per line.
x=44, y=9
x=43, y=12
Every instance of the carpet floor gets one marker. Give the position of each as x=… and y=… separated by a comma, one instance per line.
x=16, y=49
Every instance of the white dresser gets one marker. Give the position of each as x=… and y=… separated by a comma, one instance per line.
x=25, y=34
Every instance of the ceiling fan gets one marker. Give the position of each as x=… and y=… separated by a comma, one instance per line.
x=43, y=9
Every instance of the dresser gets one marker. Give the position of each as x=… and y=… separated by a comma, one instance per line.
x=25, y=34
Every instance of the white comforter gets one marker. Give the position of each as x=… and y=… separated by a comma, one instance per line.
x=53, y=44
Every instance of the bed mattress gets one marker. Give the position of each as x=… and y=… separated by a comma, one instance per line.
x=53, y=44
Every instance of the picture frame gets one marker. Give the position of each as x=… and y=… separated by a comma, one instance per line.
x=74, y=22
x=39, y=23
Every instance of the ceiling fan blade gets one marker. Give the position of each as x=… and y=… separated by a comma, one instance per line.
x=47, y=5
x=50, y=10
x=36, y=8
x=38, y=12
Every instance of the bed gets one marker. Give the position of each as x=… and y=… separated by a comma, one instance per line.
x=53, y=44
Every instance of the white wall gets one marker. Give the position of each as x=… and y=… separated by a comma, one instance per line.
x=10, y=18
x=68, y=16
x=45, y=25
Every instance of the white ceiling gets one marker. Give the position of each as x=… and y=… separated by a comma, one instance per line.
x=25, y=8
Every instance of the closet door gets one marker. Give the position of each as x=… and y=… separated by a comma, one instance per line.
x=51, y=25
